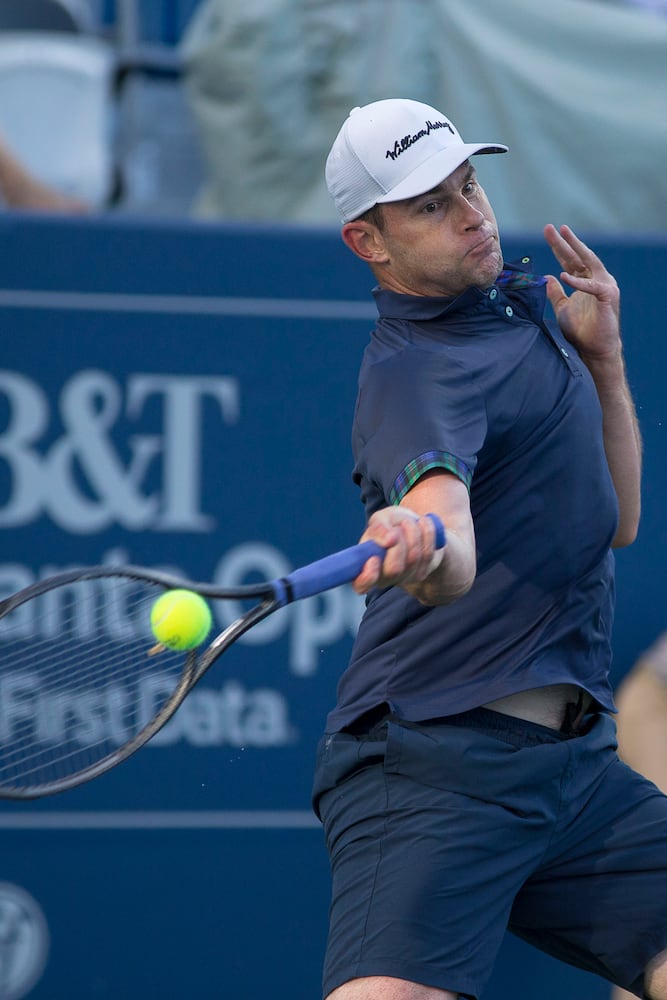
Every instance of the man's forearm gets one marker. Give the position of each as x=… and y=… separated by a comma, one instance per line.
x=622, y=441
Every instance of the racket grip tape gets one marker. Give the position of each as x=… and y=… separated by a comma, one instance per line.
x=340, y=567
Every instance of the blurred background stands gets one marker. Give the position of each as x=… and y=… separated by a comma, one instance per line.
x=156, y=139
x=225, y=109
x=91, y=101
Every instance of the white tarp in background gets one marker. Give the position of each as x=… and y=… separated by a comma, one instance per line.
x=576, y=88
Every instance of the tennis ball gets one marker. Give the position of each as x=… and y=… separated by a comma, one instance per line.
x=180, y=619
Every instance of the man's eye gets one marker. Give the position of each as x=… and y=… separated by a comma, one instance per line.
x=431, y=207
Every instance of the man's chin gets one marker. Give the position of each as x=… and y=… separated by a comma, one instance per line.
x=488, y=275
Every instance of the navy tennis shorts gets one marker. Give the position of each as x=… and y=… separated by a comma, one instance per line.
x=444, y=834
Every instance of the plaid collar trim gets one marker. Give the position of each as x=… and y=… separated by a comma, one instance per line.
x=519, y=279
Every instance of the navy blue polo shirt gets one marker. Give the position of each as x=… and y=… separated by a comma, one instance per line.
x=482, y=387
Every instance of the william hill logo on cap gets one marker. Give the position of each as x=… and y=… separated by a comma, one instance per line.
x=409, y=140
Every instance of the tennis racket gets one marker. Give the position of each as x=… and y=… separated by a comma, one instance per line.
x=80, y=690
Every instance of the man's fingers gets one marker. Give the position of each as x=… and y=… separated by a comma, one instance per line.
x=409, y=541
x=555, y=291
x=369, y=576
x=575, y=257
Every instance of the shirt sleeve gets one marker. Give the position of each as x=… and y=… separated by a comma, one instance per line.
x=416, y=411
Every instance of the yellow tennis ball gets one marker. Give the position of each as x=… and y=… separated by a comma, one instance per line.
x=180, y=619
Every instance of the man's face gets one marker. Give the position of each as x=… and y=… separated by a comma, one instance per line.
x=441, y=242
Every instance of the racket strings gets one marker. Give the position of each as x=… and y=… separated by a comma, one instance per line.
x=76, y=679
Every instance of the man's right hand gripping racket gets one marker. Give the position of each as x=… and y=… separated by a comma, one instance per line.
x=79, y=689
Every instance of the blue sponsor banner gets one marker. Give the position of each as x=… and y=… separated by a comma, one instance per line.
x=180, y=396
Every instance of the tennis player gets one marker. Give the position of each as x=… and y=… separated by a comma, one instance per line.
x=468, y=780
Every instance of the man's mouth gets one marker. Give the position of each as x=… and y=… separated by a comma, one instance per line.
x=483, y=244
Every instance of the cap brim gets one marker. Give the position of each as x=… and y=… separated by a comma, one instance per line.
x=436, y=169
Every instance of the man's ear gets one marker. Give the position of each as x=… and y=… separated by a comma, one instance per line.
x=365, y=240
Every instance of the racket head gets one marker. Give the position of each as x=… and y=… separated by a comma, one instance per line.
x=79, y=690
x=80, y=687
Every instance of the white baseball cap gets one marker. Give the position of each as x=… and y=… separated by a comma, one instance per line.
x=391, y=150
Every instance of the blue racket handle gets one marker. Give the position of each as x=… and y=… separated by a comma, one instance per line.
x=339, y=568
